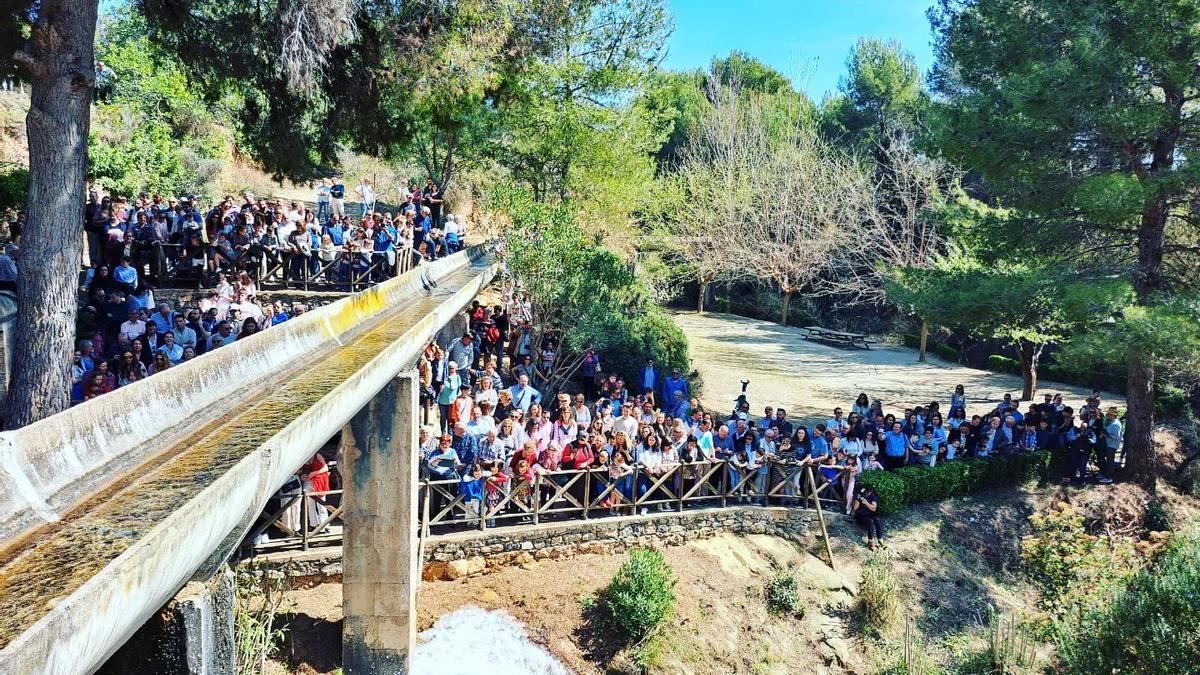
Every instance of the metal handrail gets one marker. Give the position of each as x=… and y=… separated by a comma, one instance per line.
x=583, y=494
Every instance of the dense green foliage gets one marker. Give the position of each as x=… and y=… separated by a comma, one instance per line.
x=14, y=186
x=153, y=131
x=920, y=484
x=641, y=595
x=1077, y=572
x=1149, y=626
x=1082, y=125
x=583, y=293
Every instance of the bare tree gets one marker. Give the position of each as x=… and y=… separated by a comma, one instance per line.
x=717, y=179
x=896, y=229
x=813, y=197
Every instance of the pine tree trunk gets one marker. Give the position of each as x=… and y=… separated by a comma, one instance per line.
x=787, y=301
x=924, y=340
x=1141, y=455
x=62, y=77
x=1140, y=452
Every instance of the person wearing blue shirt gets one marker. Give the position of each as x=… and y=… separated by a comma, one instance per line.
x=958, y=400
x=337, y=198
x=674, y=383
x=337, y=234
x=173, y=351
x=648, y=377
x=126, y=275
x=524, y=395
x=472, y=489
x=818, y=447
x=164, y=318
x=895, y=448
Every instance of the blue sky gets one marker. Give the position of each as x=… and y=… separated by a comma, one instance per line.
x=807, y=40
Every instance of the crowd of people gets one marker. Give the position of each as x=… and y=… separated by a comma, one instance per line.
x=126, y=335
x=493, y=432
x=154, y=237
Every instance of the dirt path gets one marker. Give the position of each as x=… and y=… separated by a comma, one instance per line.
x=811, y=379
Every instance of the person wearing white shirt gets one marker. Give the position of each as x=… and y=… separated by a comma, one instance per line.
x=487, y=393
x=134, y=327
x=650, y=457
x=583, y=416
x=627, y=424
x=366, y=195
x=481, y=423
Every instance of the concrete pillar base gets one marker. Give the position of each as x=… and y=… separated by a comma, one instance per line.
x=192, y=634
x=379, y=570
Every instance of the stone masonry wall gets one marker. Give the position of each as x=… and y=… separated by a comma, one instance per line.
x=463, y=554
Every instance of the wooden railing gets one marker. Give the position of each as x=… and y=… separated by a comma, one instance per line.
x=363, y=268
x=577, y=495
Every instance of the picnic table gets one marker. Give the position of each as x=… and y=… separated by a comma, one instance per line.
x=836, y=337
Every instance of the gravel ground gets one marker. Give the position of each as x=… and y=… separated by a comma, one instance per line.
x=810, y=379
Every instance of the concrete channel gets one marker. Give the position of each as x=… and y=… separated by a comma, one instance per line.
x=109, y=508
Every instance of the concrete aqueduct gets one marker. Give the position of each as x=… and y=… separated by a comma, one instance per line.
x=108, y=509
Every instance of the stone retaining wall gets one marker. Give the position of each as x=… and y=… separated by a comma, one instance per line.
x=463, y=554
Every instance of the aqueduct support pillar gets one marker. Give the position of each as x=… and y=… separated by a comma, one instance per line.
x=380, y=571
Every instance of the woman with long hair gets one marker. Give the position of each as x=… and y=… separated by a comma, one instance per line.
x=130, y=370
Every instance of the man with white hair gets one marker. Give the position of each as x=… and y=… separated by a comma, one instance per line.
x=452, y=232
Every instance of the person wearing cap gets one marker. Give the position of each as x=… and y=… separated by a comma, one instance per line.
x=462, y=351
x=221, y=337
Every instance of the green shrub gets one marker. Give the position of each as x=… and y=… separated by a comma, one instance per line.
x=1158, y=517
x=921, y=484
x=889, y=488
x=1003, y=364
x=878, y=592
x=946, y=352
x=1170, y=401
x=14, y=186
x=1149, y=626
x=641, y=596
x=783, y=596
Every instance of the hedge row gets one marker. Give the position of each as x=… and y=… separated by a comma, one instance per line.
x=920, y=484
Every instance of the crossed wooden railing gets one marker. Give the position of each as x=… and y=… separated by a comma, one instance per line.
x=575, y=494
x=348, y=270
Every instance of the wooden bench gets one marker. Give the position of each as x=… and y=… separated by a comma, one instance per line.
x=836, y=337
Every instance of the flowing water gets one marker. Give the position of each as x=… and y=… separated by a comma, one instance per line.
x=471, y=641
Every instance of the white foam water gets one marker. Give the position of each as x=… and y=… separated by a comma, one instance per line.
x=471, y=640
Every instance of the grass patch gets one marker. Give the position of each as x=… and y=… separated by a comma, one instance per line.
x=878, y=593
